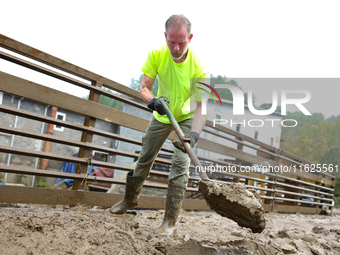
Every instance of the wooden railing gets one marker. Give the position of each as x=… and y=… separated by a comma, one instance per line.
x=280, y=190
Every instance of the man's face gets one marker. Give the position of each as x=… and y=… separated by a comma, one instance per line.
x=178, y=43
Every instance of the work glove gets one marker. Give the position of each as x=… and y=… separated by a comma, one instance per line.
x=192, y=139
x=156, y=105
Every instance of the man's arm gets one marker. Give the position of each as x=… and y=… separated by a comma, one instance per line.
x=152, y=102
x=199, y=120
x=197, y=125
x=145, y=89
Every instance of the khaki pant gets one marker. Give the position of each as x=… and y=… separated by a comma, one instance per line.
x=152, y=142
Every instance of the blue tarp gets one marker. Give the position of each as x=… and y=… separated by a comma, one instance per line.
x=68, y=167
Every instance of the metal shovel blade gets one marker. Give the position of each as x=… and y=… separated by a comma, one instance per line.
x=231, y=200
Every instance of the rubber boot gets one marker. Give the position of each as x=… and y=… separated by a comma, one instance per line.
x=174, y=201
x=132, y=189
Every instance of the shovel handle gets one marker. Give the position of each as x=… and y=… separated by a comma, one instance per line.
x=186, y=145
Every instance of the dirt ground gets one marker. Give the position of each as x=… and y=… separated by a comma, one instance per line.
x=79, y=230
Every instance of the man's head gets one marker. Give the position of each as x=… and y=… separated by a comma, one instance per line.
x=178, y=36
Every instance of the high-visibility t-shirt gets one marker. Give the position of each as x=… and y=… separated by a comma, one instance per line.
x=176, y=81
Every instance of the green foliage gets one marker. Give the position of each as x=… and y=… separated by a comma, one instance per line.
x=246, y=98
x=110, y=102
x=336, y=202
x=315, y=118
x=317, y=139
x=40, y=181
x=313, y=138
x=331, y=156
x=137, y=83
x=268, y=106
x=21, y=178
x=2, y=179
x=226, y=93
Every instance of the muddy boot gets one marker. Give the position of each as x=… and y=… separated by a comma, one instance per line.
x=174, y=202
x=132, y=189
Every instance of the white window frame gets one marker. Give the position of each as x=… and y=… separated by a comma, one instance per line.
x=60, y=128
x=218, y=117
x=100, y=152
x=238, y=126
x=1, y=96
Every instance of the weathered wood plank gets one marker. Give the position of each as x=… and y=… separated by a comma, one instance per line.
x=231, y=152
x=30, y=52
x=87, y=138
x=28, y=195
x=18, y=86
x=282, y=154
x=69, y=142
x=71, y=80
x=237, y=134
x=295, y=209
x=79, y=177
x=47, y=119
x=39, y=154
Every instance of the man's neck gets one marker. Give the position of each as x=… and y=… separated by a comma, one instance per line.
x=181, y=60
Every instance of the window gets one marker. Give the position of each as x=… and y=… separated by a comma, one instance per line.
x=238, y=127
x=218, y=117
x=256, y=136
x=60, y=116
x=271, y=141
x=1, y=96
x=101, y=156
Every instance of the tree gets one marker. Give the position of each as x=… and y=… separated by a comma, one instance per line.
x=109, y=102
x=268, y=106
x=313, y=138
x=332, y=156
x=137, y=83
x=246, y=98
x=226, y=93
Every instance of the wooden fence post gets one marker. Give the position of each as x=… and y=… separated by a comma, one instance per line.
x=87, y=138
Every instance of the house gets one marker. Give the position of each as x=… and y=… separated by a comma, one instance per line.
x=265, y=128
x=40, y=127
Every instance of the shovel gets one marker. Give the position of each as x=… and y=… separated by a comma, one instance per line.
x=231, y=200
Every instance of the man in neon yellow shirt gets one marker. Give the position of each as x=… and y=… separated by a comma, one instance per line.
x=178, y=70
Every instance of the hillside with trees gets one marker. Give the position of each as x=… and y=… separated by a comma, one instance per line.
x=316, y=139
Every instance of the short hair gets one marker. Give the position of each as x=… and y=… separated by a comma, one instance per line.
x=177, y=21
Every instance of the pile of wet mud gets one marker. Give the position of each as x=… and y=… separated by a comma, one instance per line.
x=82, y=231
x=236, y=202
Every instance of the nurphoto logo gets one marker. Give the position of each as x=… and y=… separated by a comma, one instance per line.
x=239, y=103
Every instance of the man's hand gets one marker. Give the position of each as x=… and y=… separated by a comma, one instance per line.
x=192, y=140
x=156, y=105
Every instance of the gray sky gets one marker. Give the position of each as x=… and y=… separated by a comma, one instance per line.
x=246, y=39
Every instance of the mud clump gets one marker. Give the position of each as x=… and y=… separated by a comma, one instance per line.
x=236, y=202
